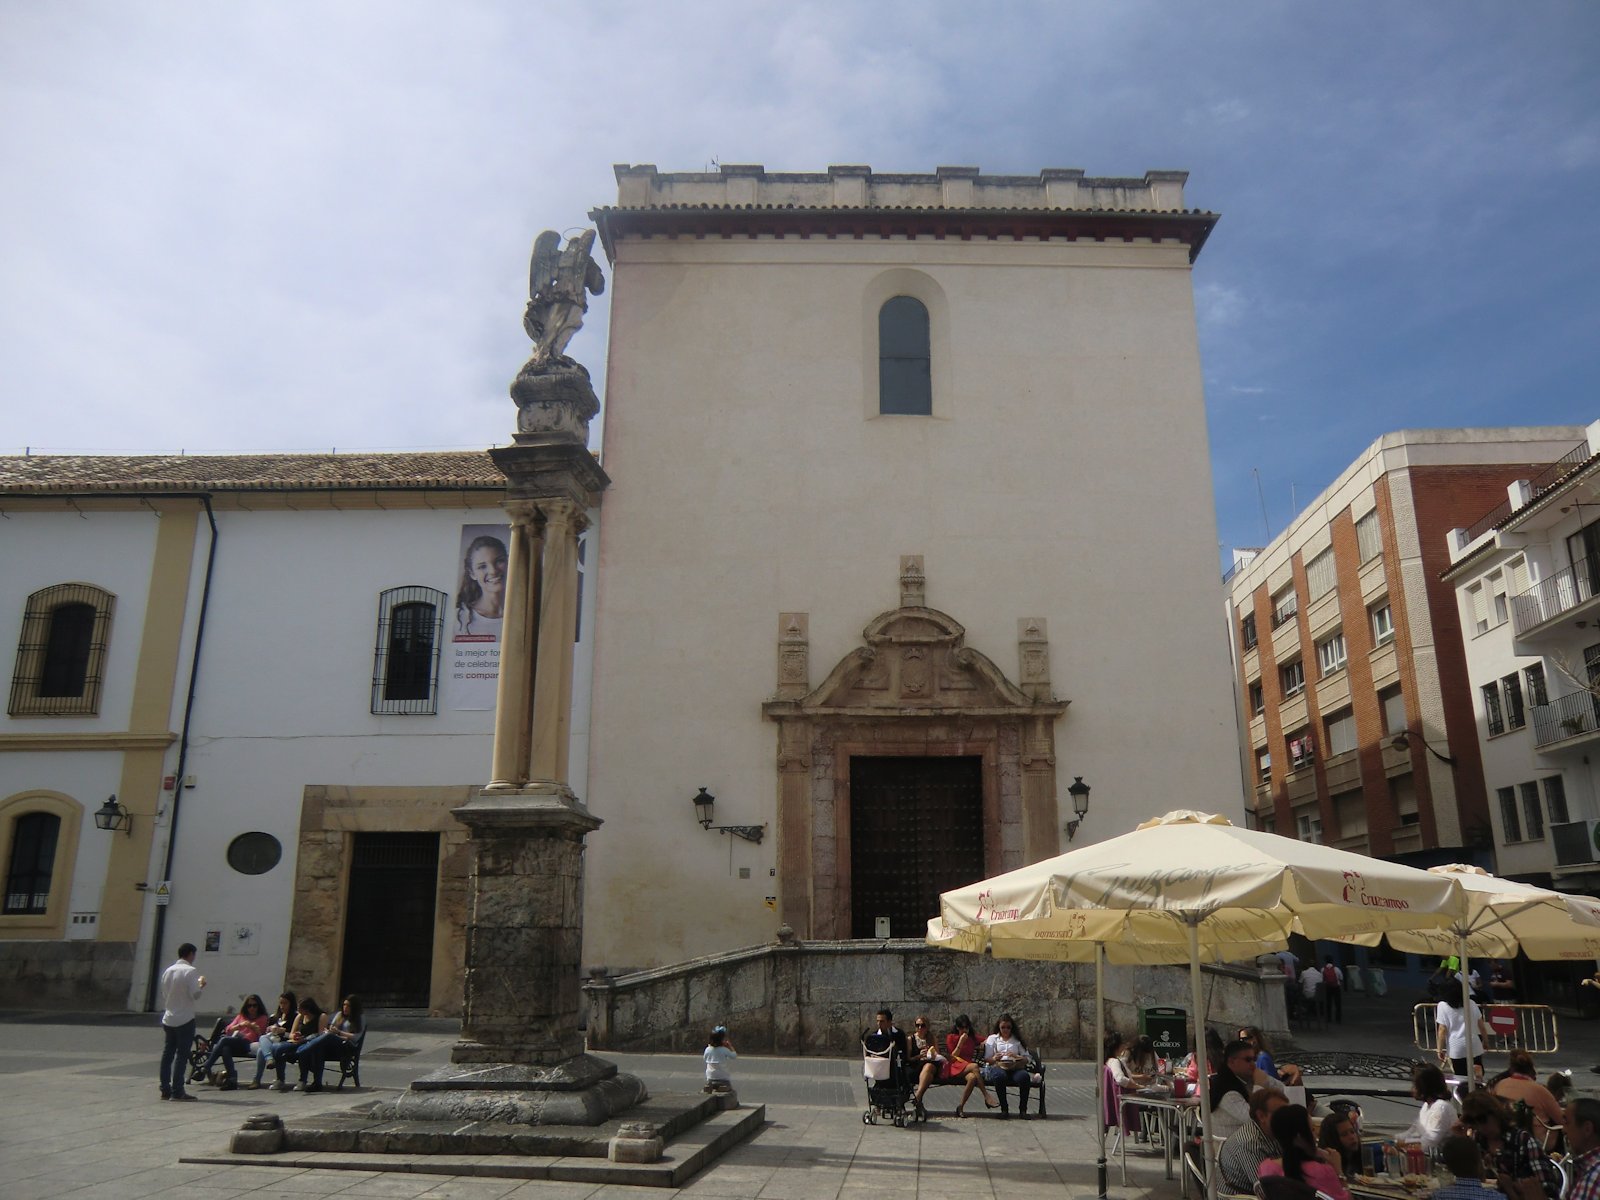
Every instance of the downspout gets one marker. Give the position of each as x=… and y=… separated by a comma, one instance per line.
x=183, y=757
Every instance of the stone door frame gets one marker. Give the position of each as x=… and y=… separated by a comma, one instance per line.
x=914, y=689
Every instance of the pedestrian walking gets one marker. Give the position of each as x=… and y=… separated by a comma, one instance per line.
x=1332, y=992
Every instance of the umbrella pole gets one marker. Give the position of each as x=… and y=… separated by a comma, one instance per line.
x=1099, y=1043
x=1201, y=1074
x=1466, y=1006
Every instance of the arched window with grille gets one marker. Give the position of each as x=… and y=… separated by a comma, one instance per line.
x=905, y=369
x=405, y=669
x=32, y=863
x=61, y=653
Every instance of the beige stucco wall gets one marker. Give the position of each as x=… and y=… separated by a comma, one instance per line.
x=1064, y=475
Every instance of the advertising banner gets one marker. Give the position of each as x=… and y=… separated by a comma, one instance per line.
x=471, y=668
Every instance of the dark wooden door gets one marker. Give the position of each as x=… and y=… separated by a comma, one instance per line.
x=388, y=924
x=916, y=829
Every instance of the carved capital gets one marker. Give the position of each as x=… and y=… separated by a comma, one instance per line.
x=522, y=512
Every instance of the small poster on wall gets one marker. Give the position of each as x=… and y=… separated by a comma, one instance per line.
x=471, y=668
x=213, y=941
x=244, y=939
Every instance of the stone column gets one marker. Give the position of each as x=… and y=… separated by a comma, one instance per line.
x=557, y=628
x=514, y=695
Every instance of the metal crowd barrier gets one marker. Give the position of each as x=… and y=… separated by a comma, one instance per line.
x=1530, y=1027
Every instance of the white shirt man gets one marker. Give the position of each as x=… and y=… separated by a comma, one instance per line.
x=179, y=988
x=1309, y=979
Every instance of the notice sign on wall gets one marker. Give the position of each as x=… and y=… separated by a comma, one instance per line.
x=471, y=666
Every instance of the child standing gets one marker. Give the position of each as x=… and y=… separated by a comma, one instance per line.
x=719, y=1052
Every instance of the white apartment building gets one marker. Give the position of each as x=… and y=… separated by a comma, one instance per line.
x=1526, y=576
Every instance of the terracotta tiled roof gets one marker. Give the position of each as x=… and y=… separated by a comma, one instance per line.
x=246, y=472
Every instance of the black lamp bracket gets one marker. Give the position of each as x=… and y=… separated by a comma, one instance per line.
x=750, y=833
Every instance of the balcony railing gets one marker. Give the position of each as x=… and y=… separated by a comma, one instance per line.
x=1567, y=717
x=1556, y=594
x=1538, y=485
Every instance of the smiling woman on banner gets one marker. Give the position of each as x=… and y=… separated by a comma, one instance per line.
x=481, y=594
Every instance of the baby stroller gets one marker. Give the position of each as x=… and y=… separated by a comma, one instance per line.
x=888, y=1084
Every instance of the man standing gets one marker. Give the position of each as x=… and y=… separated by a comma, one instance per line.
x=179, y=988
x=1252, y=1143
x=1332, y=992
x=1582, y=1123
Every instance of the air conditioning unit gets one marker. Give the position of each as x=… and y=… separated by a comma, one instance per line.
x=1575, y=842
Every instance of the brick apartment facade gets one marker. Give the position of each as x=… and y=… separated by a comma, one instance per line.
x=1345, y=637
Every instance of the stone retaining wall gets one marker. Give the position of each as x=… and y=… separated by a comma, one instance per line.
x=74, y=975
x=815, y=999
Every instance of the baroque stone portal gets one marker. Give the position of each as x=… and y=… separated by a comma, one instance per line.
x=913, y=689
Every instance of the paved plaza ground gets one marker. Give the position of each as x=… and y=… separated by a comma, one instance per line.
x=81, y=1117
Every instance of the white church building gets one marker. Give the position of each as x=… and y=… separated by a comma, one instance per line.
x=910, y=528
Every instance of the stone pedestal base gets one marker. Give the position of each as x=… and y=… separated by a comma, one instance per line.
x=554, y=398
x=583, y=1090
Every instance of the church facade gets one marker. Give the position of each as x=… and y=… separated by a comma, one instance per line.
x=910, y=528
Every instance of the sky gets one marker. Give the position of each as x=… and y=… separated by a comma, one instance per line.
x=306, y=226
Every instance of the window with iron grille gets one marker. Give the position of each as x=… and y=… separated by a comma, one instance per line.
x=1534, y=677
x=905, y=364
x=1511, y=689
x=61, y=653
x=1555, y=799
x=1510, y=822
x=1369, y=538
x=33, y=856
x=1247, y=631
x=405, y=666
x=1321, y=574
x=1532, y=811
x=1491, y=709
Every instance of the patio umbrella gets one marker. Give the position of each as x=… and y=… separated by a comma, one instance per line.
x=1196, y=881
x=1502, y=917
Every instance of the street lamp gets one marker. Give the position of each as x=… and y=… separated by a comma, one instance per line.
x=112, y=815
x=1079, y=791
x=705, y=813
x=1402, y=741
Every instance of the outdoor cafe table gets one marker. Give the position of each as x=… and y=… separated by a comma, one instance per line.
x=1174, y=1114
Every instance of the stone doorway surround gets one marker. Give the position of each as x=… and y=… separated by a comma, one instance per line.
x=329, y=819
x=915, y=689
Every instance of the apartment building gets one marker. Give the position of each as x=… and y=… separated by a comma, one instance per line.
x=1358, y=728
x=1526, y=578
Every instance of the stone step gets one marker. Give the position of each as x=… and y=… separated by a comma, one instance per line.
x=699, y=1134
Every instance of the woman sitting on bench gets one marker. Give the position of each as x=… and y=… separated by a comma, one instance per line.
x=239, y=1037
x=313, y=1055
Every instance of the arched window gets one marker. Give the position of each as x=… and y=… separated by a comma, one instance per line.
x=61, y=654
x=905, y=375
x=405, y=670
x=33, y=857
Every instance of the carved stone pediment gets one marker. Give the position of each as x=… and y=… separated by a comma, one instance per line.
x=914, y=662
